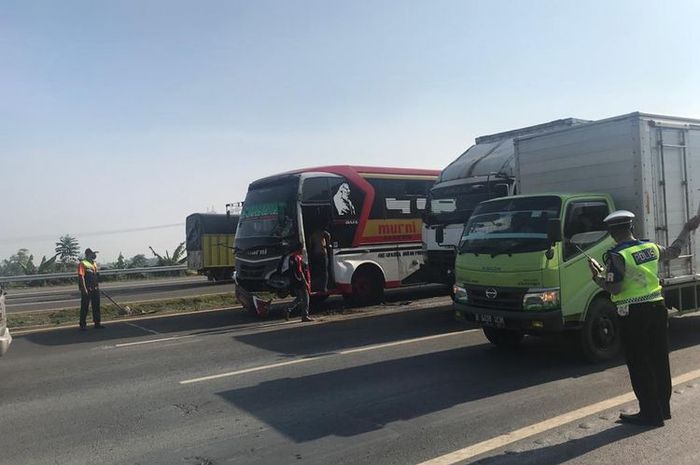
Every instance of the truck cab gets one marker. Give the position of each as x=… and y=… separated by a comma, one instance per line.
x=521, y=268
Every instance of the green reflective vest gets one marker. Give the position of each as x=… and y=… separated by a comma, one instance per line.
x=641, y=281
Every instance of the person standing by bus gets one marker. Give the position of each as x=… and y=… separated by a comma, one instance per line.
x=300, y=285
x=88, y=283
x=319, y=245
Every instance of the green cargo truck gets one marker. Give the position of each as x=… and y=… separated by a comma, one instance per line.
x=209, y=244
x=521, y=266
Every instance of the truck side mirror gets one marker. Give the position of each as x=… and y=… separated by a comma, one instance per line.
x=554, y=230
x=439, y=235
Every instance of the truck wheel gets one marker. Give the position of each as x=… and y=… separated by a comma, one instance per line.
x=600, y=335
x=367, y=286
x=503, y=337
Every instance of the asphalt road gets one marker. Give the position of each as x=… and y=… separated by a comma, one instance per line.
x=400, y=384
x=54, y=298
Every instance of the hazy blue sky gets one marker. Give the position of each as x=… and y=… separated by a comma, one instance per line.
x=129, y=114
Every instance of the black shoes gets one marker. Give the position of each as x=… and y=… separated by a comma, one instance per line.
x=639, y=419
x=83, y=328
x=306, y=318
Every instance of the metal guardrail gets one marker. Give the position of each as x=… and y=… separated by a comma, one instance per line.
x=43, y=277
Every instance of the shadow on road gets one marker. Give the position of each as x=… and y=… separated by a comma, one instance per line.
x=568, y=450
x=357, y=400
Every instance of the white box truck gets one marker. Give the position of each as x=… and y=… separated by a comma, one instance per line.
x=514, y=279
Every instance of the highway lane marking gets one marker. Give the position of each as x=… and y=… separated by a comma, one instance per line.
x=152, y=331
x=151, y=341
x=503, y=440
x=313, y=357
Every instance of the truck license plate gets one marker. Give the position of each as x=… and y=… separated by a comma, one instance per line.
x=490, y=320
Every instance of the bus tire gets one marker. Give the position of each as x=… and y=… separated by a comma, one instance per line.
x=367, y=286
x=599, y=339
x=503, y=337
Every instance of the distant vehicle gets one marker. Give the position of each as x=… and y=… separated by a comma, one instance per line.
x=372, y=214
x=522, y=264
x=485, y=171
x=210, y=239
x=5, y=336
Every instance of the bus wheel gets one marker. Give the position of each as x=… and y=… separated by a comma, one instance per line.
x=600, y=336
x=367, y=286
x=503, y=337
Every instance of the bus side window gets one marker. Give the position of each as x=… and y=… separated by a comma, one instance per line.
x=316, y=190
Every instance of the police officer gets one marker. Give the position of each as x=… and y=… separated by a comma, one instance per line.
x=631, y=278
x=88, y=282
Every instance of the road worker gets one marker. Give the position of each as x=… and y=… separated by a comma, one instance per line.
x=631, y=277
x=88, y=283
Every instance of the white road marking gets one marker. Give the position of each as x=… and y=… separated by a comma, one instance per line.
x=151, y=341
x=503, y=440
x=310, y=358
x=152, y=331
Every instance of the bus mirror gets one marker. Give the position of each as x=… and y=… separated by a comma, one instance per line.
x=554, y=230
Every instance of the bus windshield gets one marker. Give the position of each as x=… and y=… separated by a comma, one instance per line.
x=269, y=211
x=511, y=225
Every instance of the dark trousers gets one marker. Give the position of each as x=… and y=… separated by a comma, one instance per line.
x=645, y=340
x=301, y=300
x=91, y=298
x=319, y=272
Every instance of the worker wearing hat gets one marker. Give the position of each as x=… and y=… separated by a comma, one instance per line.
x=88, y=282
x=631, y=278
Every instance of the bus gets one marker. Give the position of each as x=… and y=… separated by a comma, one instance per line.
x=373, y=216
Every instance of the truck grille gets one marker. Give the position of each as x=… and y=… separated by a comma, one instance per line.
x=506, y=298
x=248, y=270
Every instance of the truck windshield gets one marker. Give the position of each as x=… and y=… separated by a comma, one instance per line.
x=269, y=211
x=512, y=225
x=449, y=205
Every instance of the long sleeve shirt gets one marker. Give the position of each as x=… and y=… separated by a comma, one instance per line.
x=614, y=274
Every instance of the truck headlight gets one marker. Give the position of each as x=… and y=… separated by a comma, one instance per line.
x=459, y=294
x=541, y=299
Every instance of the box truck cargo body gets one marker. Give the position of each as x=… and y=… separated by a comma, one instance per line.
x=484, y=171
x=531, y=279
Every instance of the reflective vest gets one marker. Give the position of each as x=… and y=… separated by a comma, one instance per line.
x=641, y=281
x=88, y=270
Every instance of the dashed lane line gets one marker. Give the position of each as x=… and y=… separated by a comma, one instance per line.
x=152, y=331
x=503, y=440
x=311, y=358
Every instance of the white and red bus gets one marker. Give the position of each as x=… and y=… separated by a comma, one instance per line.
x=372, y=214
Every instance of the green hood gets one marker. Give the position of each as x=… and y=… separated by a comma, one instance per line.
x=517, y=270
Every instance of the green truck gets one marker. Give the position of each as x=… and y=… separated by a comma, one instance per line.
x=209, y=244
x=521, y=267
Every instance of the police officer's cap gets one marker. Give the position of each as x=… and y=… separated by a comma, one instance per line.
x=619, y=218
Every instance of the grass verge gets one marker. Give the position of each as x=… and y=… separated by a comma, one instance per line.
x=110, y=311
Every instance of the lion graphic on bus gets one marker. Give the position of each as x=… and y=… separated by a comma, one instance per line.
x=342, y=202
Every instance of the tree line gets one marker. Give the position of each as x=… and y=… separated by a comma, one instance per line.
x=68, y=253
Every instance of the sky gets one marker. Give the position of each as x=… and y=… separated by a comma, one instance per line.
x=130, y=115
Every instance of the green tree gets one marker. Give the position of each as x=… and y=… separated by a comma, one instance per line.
x=121, y=262
x=178, y=257
x=18, y=263
x=138, y=261
x=67, y=249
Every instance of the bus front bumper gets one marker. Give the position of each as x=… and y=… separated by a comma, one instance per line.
x=549, y=321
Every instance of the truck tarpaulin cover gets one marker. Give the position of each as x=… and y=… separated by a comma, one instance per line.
x=198, y=224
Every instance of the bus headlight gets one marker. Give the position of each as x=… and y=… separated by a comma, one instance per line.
x=541, y=299
x=459, y=294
